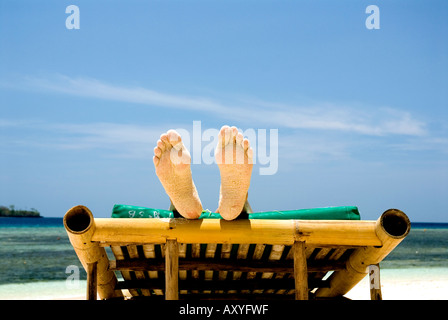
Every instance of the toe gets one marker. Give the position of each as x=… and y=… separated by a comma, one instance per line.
x=246, y=144
x=250, y=155
x=161, y=145
x=156, y=160
x=164, y=138
x=224, y=135
x=174, y=139
x=157, y=152
x=224, y=128
x=234, y=133
x=239, y=138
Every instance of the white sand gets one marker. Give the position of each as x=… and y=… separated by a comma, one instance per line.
x=47, y=290
x=406, y=284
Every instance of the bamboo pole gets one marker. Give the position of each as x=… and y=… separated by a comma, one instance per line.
x=391, y=228
x=172, y=270
x=257, y=231
x=92, y=281
x=300, y=271
x=80, y=226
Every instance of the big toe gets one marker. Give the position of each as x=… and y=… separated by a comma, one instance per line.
x=174, y=138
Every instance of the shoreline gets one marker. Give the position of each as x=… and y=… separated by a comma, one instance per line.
x=396, y=284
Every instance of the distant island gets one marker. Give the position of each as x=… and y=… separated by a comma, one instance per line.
x=12, y=212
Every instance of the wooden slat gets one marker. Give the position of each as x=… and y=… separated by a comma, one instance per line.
x=320, y=254
x=225, y=254
x=239, y=296
x=210, y=253
x=195, y=253
x=222, y=265
x=337, y=253
x=227, y=286
x=182, y=255
x=149, y=253
x=133, y=254
x=274, y=255
x=119, y=255
x=241, y=255
x=257, y=254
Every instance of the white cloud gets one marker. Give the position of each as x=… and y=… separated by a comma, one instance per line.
x=87, y=87
x=113, y=139
x=317, y=116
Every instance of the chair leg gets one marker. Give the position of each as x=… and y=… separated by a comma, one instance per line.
x=92, y=281
x=300, y=271
x=171, y=270
x=375, y=284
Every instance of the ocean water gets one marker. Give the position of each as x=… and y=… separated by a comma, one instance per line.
x=426, y=246
x=35, y=254
x=34, y=249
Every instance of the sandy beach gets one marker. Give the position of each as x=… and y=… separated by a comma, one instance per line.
x=396, y=284
x=407, y=284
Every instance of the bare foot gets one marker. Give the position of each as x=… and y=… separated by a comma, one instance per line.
x=172, y=164
x=234, y=158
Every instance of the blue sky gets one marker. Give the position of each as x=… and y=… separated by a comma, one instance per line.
x=361, y=114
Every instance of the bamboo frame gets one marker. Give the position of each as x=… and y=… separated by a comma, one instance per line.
x=391, y=228
x=92, y=281
x=300, y=271
x=373, y=240
x=80, y=227
x=282, y=232
x=172, y=270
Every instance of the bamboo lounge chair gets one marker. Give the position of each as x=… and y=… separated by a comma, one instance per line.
x=274, y=255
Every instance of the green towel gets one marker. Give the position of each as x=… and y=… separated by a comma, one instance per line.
x=328, y=213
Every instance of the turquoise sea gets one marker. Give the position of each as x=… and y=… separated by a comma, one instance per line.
x=35, y=254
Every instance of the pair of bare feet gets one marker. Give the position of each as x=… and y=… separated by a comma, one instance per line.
x=233, y=155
